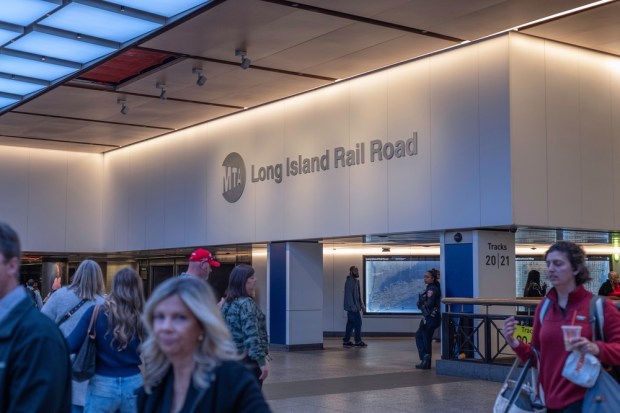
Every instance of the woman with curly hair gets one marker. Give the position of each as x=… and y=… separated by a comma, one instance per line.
x=119, y=333
x=190, y=359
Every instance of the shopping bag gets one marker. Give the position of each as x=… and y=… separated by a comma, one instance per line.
x=520, y=395
x=604, y=396
x=84, y=363
x=581, y=368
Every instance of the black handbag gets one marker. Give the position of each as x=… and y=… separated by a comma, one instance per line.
x=86, y=359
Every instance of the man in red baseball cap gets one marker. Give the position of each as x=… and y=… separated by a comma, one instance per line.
x=200, y=264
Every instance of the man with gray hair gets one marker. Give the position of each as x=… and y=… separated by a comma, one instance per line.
x=35, y=372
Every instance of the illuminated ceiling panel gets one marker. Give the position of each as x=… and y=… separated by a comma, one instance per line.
x=47, y=45
x=25, y=12
x=92, y=21
x=48, y=41
x=33, y=68
x=165, y=8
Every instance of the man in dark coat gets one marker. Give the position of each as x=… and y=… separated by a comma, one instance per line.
x=609, y=286
x=35, y=372
x=354, y=306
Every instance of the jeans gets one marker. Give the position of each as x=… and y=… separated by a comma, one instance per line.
x=354, y=322
x=112, y=394
x=424, y=336
x=77, y=409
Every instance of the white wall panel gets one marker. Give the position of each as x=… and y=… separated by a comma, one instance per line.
x=331, y=201
x=563, y=135
x=494, y=102
x=195, y=196
x=300, y=129
x=455, y=139
x=369, y=184
x=155, y=152
x=123, y=221
x=47, y=207
x=528, y=136
x=14, y=184
x=137, y=205
x=596, y=140
x=409, y=178
x=176, y=173
x=84, y=202
x=228, y=222
x=267, y=148
x=614, y=68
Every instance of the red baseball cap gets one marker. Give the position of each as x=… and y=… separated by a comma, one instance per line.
x=202, y=255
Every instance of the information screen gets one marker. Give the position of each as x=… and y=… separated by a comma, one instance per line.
x=599, y=266
x=392, y=284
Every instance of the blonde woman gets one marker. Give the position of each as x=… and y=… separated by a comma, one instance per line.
x=119, y=333
x=67, y=306
x=190, y=360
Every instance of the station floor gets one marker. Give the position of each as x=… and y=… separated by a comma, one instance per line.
x=378, y=379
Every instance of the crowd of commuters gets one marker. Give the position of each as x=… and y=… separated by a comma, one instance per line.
x=186, y=351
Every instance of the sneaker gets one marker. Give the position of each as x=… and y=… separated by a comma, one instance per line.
x=361, y=344
x=347, y=344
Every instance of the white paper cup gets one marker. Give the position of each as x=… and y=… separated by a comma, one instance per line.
x=569, y=333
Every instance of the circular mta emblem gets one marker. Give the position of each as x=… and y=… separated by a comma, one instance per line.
x=234, y=177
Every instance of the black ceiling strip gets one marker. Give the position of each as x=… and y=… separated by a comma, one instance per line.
x=90, y=120
x=59, y=141
x=144, y=95
x=235, y=63
x=366, y=20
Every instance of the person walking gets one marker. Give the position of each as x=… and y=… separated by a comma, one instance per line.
x=31, y=286
x=431, y=318
x=191, y=363
x=246, y=321
x=35, y=372
x=118, y=335
x=569, y=303
x=354, y=306
x=67, y=306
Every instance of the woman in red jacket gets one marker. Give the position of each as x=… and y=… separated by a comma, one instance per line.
x=570, y=301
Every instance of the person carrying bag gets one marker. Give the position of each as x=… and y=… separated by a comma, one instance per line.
x=86, y=358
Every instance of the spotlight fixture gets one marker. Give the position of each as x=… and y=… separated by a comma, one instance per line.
x=162, y=94
x=245, y=62
x=123, y=103
x=201, y=77
x=385, y=249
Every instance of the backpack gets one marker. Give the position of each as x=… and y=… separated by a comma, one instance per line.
x=597, y=321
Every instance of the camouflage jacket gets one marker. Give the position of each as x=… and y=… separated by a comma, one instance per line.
x=247, y=325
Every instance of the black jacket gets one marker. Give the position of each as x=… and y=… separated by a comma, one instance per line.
x=234, y=390
x=606, y=288
x=35, y=373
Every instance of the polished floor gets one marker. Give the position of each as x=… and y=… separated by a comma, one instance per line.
x=378, y=379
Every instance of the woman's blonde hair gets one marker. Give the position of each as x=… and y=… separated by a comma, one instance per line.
x=124, y=307
x=216, y=346
x=88, y=280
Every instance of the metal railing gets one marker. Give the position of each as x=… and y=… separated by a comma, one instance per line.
x=477, y=337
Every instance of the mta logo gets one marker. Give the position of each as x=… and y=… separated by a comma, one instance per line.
x=234, y=177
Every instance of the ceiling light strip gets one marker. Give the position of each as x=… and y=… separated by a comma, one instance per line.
x=561, y=15
x=30, y=138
